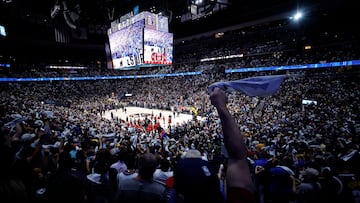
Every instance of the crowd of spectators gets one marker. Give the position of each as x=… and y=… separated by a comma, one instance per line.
x=42, y=120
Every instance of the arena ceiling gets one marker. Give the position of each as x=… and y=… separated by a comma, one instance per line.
x=17, y=13
x=30, y=26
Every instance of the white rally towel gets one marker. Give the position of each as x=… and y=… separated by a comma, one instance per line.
x=261, y=86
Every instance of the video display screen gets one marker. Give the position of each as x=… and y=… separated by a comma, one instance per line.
x=2, y=31
x=158, y=47
x=126, y=46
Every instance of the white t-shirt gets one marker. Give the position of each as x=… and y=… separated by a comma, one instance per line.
x=161, y=176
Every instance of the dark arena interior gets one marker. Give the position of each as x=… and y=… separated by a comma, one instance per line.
x=100, y=95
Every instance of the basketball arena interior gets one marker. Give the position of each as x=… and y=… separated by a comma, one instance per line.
x=89, y=86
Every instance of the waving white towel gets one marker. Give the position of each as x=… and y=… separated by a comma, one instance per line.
x=254, y=86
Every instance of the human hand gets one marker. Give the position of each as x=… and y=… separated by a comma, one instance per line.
x=218, y=97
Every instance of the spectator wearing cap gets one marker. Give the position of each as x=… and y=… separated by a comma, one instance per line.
x=196, y=180
x=331, y=185
x=309, y=190
x=282, y=179
x=261, y=175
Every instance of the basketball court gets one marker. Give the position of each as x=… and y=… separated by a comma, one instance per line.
x=141, y=113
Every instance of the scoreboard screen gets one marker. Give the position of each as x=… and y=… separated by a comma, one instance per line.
x=138, y=41
x=158, y=47
x=126, y=46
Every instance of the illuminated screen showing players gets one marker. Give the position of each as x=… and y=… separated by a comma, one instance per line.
x=158, y=47
x=126, y=46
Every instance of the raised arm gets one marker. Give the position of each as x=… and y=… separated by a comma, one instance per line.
x=238, y=172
